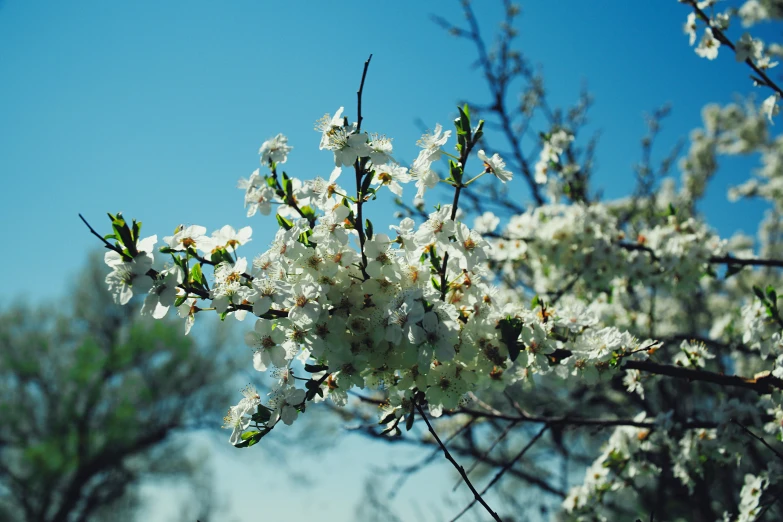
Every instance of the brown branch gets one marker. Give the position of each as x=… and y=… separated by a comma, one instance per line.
x=763, y=383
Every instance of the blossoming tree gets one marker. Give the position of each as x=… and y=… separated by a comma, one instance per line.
x=630, y=317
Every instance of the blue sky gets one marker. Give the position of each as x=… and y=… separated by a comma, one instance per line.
x=156, y=109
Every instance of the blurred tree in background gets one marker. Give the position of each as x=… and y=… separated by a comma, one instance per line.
x=92, y=398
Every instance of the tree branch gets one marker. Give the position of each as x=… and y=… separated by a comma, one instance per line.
x=476, y=495
x=503, y=471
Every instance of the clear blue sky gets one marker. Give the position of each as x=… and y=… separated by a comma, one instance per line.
x=156, y=109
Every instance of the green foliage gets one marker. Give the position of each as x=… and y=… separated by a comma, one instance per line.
x=510, y=328
x=91, y=396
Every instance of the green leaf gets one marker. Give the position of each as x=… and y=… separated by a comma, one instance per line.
x=304, y=238
x=179, y=300
x=464, y=117
x=136, y=229
x=456, y=171
x=434, y=258
x=315, y=368
x=535, y=302
x=368, y=228
x=366, y=182
x=283, y=222
x=510, y=328
x=772, y=294
x=221, y=255
x=179, y=261
x=759, y=293
x=308, y=211
x=122, y=232
x=458, y=126
x=479, y=132
x=253, y=439
x=313, y=389
x=387, y=419
x=196, y=276
x=249, y=434
x=287, y=185
x=263, y=414
x=409, y=419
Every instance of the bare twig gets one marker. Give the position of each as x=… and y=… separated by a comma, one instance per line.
x=503, y=471
x=359, y=167
x=413, y=468
x=723, y=39
x=497, y=441
x=476, y=495
x=106, y=243
x=761, y=440
x=359, y=95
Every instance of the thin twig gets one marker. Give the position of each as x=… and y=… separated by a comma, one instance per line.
x=503, y=471
x=722, y=38
x=552, y=421
x=359, y=95
x=761, y=440
x=484, y=455
x=576, y=421
x=476, y=495
x=413, y=468
x=108, y=245
x=359, y=168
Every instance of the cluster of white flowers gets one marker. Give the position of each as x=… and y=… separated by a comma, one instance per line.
x=747, y=48
x=617, y=468
x=423, y=312
x=554, y=145
x=432, y=312
x=413, y=312
x=549, y=245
